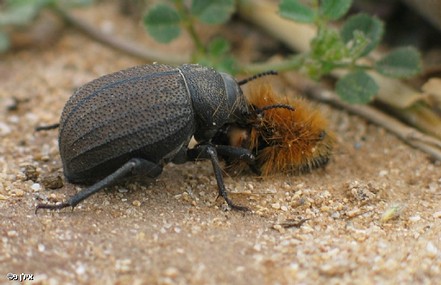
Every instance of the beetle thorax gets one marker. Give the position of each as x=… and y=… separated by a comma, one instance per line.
x=216, y=98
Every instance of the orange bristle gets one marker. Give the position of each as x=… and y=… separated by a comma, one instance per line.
x=284, y=140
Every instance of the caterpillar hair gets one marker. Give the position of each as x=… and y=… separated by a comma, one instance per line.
x=285, y=134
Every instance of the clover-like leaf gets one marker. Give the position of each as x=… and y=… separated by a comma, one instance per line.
x=370, y=26
x=296, y=11
x=356, y=87
x=213, y=11
x=4, y=42
x=402, y=62
x=334, y=10
x=163, y=23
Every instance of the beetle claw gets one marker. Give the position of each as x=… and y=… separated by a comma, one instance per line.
x=238, y=207
x=53, y=206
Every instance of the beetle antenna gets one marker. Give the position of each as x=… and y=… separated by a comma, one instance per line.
x=265, y=73
x=274, y=106
x=47, y=127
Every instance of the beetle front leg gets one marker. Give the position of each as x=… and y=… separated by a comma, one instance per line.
x=232, y=153
x=236, y=153
x=206, y=151
x=135, y=166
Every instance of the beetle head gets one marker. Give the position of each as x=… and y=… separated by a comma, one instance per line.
x=236, y=101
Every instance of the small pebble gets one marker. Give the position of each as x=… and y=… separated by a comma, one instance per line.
x=80, y=270
x=122, y=190
x=12, y=233
x=437, y=214
x=36, y=187
x=275, y=206
x=136, y=203
x=41, y=247
x=171, y=272
x=279, y=228
x=18, y=193
x=30, y=172
x=353, y=212
x=4, y=129
x=432, y=250
x=393, y=212
x=123, y=265
x=257, y=247
x=52, y=181
x=415, y=218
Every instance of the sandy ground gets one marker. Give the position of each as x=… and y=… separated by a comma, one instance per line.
x=373, y=215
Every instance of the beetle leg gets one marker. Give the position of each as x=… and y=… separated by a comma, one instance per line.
x=231, y=153
x=209, y=152
x=135, y=166
x=236, y=153
x=225, y=151
x=47, y=127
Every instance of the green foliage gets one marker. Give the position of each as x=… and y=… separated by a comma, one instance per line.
x=332, y=49
x=164, y=23
x=402, y=62
x=23, y=12
x=296, y=11
x=326, y=50
x=370, y=27
x=213, y=11
x=334, y=10
x=329, y=9
x=356, y=87
x=217, y=55
x=4, y=42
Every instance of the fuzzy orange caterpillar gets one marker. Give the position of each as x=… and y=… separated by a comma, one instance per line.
x=285, y=134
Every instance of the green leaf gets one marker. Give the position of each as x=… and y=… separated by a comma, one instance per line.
x=213, y=11
x=162, y=22
x=356, y=87
x=74, y=3
x=357, y=45
x=370, y=26
x=225, y=64
x=218, y=47
x=334, y=9
x=402, y=62
x=4, y=42
x=296, y=11
x=19, y=12
x=218, y=56
x=328, y=46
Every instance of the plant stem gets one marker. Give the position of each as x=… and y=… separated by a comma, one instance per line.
x=293, y=63
x=188, y=23
x=118, y=43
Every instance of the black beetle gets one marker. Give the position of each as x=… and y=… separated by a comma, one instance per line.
x=132, y=122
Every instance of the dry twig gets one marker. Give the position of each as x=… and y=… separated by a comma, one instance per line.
x=129, y=47
x=413, y=137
